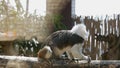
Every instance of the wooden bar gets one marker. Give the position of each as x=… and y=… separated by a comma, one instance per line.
x=32, y=61
x=22, y=58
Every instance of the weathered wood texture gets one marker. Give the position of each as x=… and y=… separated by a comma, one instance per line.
x=108, y=26
x=32, y=62
x=62, y=7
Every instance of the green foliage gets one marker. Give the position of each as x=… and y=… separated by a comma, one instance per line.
x=27, y=47
x=57, y=19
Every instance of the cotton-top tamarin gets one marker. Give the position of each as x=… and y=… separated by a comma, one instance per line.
x=65, y=40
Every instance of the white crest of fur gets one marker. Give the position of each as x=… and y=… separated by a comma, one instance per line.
x=80, y=29
x=76, y=50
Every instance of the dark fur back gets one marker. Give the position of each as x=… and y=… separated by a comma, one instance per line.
x=62, y=39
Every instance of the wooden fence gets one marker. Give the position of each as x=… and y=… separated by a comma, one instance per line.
x=100, y=28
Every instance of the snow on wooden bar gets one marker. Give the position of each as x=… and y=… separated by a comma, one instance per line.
x=35, y=59
x=92, y=64
x=22, y=58
x=117, y=62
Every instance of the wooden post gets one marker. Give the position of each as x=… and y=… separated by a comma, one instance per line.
x=62, y=7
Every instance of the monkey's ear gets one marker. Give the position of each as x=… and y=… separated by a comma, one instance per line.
x=42, y=53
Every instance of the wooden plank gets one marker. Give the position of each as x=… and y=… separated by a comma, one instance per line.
x=23, y=58
x=35, y=59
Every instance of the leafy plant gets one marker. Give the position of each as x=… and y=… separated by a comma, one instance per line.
x=58, y=25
